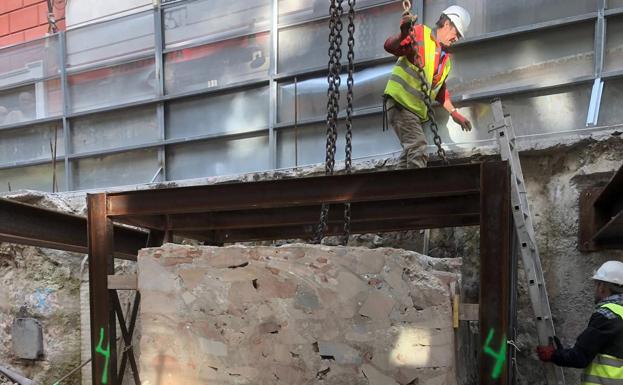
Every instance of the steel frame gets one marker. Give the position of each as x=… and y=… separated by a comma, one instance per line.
x=601, y=216
x=459, y=195
x=434, y=197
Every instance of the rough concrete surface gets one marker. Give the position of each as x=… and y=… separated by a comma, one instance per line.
x=554, y=179
x=42, y=284
x=296, y=314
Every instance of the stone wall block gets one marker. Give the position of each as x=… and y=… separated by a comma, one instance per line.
x=296, y=314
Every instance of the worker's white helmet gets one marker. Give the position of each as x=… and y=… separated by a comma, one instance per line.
x=611, y=271
x=459, y=17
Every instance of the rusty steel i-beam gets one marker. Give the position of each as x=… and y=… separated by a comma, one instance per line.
x=458, y=195
x=601, y=216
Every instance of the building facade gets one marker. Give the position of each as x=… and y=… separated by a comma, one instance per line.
x=141, y=93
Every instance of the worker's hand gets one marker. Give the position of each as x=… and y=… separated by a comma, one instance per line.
x=459, y=119
x=405, y=24
x=545, y=352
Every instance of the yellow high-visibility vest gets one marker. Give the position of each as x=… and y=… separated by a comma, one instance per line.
x=404, y=84
x=605, y=369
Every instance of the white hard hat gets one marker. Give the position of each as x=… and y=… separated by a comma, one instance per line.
x=611, y=271
x=459, y=17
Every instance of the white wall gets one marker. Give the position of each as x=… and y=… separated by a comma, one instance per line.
x=80, y=12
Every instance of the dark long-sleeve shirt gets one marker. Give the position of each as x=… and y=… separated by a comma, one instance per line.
x=603, y=335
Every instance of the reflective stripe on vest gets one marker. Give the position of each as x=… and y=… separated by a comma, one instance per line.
x=404, y=85
x=605, y=369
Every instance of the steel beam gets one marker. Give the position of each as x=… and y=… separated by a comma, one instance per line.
x=273, y=217
x=335, y=228
x=495, y=273
x=601, y=216
x=35, y=226
x=101, y=264
x=363, y=187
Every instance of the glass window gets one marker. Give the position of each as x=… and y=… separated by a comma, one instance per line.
x=614, y=44
x=29, y=61
x=121, y=39
x=369, y=85
x=536, y=59
x=217, y=157
x=610, y=111
x=293, y=11
x=218, y=64
x=551, y=111
x=369, y=140
x=211, y=20
x=614, y=4
x=127, y=168
x=33, y=177
x=498, y=15
x=35, y=101
x=221, y=114
x=114, y=129
x=31, y=143
x=113, y=85
x=305, y=46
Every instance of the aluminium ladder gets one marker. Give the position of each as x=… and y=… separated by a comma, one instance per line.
x=527, y=245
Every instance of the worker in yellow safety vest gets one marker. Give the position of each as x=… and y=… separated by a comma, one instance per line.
x=404, y=107
x=599, y=348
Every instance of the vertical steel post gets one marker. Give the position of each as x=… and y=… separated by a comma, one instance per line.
x=600, y=46
x=101, y=264
x=159, y=62
x=495, y=272
x=272, y=85
x=62, y=64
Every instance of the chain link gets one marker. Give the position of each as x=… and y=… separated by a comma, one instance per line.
x=349, y=109
x=427, y=100
x=406, y=5
x=333, y=97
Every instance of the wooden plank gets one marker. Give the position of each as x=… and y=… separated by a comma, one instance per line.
x=123, y=282
x=468, y=311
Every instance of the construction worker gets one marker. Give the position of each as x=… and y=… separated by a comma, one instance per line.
x=403, y=101
x=599, y=348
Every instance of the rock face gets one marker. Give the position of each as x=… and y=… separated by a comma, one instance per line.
x=296, y=314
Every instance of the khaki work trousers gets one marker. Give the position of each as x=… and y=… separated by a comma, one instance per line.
x=408, y=127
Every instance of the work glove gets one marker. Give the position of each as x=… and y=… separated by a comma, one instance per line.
x=547, y=352
x=459, y=119
x=405, y=24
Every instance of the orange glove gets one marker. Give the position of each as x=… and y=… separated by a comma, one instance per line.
x=459, y=119
x=545, y=352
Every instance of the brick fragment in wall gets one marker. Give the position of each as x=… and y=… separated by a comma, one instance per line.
x=296, y=314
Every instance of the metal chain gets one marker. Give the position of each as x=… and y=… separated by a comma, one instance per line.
x=333, y=96
x=406, y=5
x=427, y=100
x=349, y=109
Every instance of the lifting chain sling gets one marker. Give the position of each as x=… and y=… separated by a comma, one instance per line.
x=406, y=4
x=333, y=93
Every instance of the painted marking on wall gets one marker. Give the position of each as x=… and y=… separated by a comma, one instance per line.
x=499, y=356
x=106, y=353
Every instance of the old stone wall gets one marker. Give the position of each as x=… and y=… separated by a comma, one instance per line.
x=41, y=284
x=554, y=179
x=296, y=314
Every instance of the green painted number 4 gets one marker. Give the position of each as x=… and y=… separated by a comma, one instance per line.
x=499, y=356
x=106, y=353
